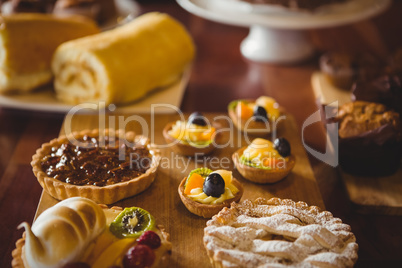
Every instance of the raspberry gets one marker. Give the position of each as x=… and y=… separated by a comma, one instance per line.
x=150, y=238
x=139, y=256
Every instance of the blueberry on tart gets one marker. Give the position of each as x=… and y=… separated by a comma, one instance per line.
x=196, y=135
x=263, y=161
x=205, y=192
x=260, y=116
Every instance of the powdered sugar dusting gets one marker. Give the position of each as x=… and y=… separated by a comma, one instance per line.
x=278, y=233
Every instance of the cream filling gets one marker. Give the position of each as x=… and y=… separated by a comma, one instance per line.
x=191, y=133
x=197, y=194
x=79, y=77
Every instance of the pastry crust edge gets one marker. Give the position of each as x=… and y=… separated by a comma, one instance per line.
x=187, y=149
x=262, y=176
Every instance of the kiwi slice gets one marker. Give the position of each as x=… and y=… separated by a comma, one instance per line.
x=200, y=171
x=232, y=105
x=131, y=223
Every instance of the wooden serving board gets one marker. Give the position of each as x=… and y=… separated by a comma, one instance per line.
x=162, y=200
x=327, y=93
x=382, y=195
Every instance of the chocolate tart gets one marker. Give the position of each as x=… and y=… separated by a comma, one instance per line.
x=278, y=233
x=109, y=192
x=259, y=175
x=186, y=149
x=162, y=253
x=205, y=210
x=250, y=126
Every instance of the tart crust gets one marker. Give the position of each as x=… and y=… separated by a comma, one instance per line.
x=105, y=194
x=187, y=149
x=251, y=126
x=278, y=233
x=259, y=175
x=205, y=210
x=18, y=253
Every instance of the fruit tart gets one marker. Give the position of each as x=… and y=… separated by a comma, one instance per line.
x=205, y=192
x=261, y=116
x=193, y=136
x=77, y=232
x=102, y=166
x=278, y=233
x=263, y=161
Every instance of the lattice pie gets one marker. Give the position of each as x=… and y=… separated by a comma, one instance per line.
x=278, y=233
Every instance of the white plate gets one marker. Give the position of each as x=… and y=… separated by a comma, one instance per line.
x=45, y=100
x=245, y=14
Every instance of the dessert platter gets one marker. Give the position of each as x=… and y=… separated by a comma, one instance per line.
x=365, y=103
x=165, y=199
x=136, y=190
x=277, y=32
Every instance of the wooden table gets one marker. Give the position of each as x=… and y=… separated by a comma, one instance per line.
x=221, y=74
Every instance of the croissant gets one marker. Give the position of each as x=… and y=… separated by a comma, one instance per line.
x=123, y=64
x=27, y=44
x=62, y=233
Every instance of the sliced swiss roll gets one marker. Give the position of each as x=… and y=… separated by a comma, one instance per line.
x=124, y=64
x=27, y=44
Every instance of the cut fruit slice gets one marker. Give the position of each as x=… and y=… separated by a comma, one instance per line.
x=226, y=175
x=243, y=110
x=113, y=253
x=194, y=181
x=131, y=223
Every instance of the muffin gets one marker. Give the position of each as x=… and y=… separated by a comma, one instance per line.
x=369, y=139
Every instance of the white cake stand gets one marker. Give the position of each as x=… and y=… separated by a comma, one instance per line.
x=276, y=34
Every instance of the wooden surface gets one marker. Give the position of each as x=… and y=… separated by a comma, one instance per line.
x=220, y=74
x=162, y=199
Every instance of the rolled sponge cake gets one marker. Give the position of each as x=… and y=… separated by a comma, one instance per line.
x=124, y=64
x=27, y=44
